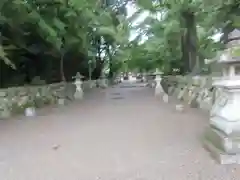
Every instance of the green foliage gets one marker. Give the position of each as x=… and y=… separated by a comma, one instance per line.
x=179, y=33
x=59, y=19
x=53, y=29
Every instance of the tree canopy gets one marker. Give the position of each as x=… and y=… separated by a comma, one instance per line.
x=54, y=39
x=180, y=33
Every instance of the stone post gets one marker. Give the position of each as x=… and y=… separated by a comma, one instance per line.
x=222, y=137
x=158, y=88
x=4, y=105
x=205, y=97
x=78, y=83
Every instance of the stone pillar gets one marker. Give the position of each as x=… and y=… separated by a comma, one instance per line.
x=78, y=83
x=27, y=99
x=187, y=84
x=180, y=87
x=158, y=88
x=30, y=112
x=4, y=106
x=222, y=137
x=63, y=94
x=205, y=95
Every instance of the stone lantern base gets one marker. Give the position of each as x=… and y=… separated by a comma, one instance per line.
x=222, y=137
x=159, y=90
x=224, y=149
x=78, y=94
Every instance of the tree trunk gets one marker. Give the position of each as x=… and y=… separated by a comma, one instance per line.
x=62, y=68
x=185, y=59
x=192, y=37
x=226, y=30
x=189, y=42
x=110, y=75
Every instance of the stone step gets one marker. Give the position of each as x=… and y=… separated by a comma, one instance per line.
x=220, y=156
x=220, y=140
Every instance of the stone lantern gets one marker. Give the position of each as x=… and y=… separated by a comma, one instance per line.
x=78, y=83
x=222, y=137
x=158, y=79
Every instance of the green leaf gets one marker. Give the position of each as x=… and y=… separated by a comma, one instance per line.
x=59, y=24
x=236, y=21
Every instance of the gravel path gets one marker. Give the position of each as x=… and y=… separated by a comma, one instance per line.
x=116, y=134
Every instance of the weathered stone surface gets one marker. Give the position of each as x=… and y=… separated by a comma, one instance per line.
x=224, y=140
x=195, y=91
x=193, y=102
x=171, y=90
x=69, y=91
x=231, y=129
x=3, y=94
x=206, y=103
x=37, y=81
x=61, y=101
x=176, y=91
x=234, y=34
x=78, y=94
x=30, y=112
x=181, y=93
x=220, y=156
x=16, y=100
x=5, y=113
x=185, y=96
x=221, y=141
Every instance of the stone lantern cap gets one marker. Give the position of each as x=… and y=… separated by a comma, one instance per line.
x=228, y=84
x=78, y=76
x=234, y=38
x=228, y=56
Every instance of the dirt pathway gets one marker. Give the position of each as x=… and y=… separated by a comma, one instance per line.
x=117, y=134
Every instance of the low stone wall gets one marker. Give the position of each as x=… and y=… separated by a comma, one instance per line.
x=196, y=91
x=15, y=100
